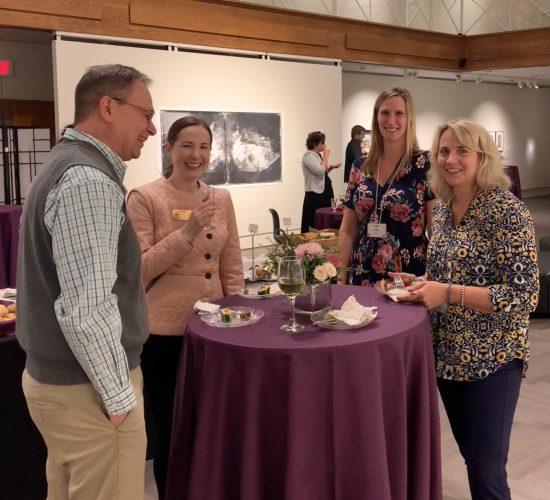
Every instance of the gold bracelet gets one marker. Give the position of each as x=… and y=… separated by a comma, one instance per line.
x=462, y=290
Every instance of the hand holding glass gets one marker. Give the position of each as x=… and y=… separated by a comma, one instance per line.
x=206, y=193
x=291, y=278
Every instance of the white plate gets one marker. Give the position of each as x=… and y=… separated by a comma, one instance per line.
x=339, y=325
x=274, y=291
x=215, y=319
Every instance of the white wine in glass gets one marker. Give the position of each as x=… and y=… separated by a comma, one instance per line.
x=206, y=193
x=291, y=278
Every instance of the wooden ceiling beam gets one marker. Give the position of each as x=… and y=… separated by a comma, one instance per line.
x=237, y=25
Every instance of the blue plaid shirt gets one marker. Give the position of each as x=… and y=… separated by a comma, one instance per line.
x=84, y=215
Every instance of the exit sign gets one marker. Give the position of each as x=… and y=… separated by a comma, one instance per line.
x=6, y=67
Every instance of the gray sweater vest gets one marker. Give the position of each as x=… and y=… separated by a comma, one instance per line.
x=49, y=357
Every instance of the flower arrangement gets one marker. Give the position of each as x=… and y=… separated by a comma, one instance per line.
x=319, y=265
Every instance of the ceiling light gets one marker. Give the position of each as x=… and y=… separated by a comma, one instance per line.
x=521, y=84
x=479, y=80
x=535, y=85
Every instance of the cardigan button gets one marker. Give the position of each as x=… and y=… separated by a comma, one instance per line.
x=208, y=276
x=209, y=236
x=207, y=256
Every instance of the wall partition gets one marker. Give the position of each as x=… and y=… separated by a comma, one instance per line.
x=305, y=92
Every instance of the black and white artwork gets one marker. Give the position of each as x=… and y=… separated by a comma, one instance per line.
x=246, y=147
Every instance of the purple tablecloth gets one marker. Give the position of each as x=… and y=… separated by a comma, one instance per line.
x=513, y=173
x=326, y=218
x=340, y=415
x=9, y=240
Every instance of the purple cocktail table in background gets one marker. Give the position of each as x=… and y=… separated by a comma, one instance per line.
x=9, y=241
x=326, y=218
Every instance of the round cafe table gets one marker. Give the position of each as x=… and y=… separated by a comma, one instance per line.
x=342, y=415
x=326, y=218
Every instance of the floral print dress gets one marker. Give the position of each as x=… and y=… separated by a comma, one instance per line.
x=401, y=205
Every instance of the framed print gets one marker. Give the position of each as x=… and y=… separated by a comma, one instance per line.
x=365, y=143
x=246, y=146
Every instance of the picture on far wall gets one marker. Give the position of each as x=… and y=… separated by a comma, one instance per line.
x=246, y=147
x=365, y=143
x=499, y=141
x=492, y=133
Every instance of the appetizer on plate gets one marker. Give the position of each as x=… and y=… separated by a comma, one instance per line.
x=264, y=271
x=227, y=314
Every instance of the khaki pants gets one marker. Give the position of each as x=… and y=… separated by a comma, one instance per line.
x=88, y=459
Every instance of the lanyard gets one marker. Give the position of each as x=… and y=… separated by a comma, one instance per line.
x=378, y=216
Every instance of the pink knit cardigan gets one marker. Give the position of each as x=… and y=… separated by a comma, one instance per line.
x=174, y=273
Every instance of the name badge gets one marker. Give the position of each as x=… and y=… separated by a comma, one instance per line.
x=376, y=230
x=181, y=214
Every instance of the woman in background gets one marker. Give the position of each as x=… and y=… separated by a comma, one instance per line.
x=190, y=251
x=482, y=283
x=318, y=185
x=387, y=208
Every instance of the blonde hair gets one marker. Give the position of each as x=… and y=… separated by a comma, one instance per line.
x=377, y=142
x=473, y=136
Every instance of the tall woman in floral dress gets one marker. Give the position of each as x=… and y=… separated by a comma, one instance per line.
x=388, y=204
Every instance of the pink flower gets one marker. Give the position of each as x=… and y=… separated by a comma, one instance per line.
x=379, y=263
x=385, y=251
x=363, y=206
x=400, y=212
x=418, y=227
x=334, y=259
x=310, y=249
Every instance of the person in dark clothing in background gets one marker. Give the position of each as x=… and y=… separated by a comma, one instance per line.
x=353, y=149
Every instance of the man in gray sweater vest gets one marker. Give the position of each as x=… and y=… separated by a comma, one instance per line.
x=81, y=312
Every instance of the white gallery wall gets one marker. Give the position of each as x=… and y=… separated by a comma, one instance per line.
x=522, y=114
x=307, y=95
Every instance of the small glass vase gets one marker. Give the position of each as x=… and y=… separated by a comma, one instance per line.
x=314, y=298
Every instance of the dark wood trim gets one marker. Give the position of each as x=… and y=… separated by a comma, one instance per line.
x=242, y=26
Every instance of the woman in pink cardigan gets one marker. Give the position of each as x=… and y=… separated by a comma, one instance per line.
x=190, y=251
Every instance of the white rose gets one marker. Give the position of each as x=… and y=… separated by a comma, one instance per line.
x=330, y=269
x=320, y=273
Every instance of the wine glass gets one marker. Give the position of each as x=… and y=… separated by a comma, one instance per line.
x=291, y=278
x=206, y=193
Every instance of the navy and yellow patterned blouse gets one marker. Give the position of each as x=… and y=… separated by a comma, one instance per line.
x=493, y=246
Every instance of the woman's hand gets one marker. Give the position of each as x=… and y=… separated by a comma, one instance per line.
x=430, y=293
x=200, y=218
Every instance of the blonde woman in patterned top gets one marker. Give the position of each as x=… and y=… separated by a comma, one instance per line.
x=481, y=284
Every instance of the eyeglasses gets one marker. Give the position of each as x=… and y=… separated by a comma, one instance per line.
x=148, y=114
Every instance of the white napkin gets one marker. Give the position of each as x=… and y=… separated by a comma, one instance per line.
x=8, y=293
x=397, y=292
x=205, y=306
x=353, y=313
